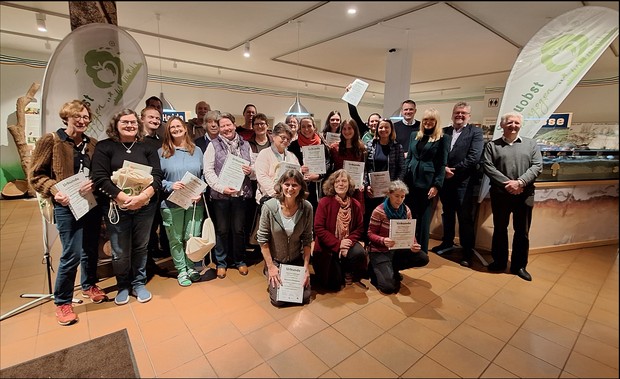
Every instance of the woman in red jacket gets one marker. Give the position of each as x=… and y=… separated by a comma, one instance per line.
x=338, y=256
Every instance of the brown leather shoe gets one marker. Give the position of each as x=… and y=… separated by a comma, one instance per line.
x=221, y=272
x=243, y=270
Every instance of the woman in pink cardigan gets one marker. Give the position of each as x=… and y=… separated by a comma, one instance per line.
x=339, y=257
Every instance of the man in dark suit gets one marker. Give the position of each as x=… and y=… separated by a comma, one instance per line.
x=408, y=125
x=458, y=194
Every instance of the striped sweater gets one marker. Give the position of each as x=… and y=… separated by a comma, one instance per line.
x=379, y=229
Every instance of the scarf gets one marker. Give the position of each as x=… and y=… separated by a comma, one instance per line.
x=233, y=145
x=304, y=141
x=343, y=220
x=394, y=214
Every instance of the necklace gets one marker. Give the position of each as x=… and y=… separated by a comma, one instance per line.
x=129, y=148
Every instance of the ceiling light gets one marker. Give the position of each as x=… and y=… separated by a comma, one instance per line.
x=297, y=108
x=351, y=11
x=41, y=22
x=174, y=64
x=246, y=50
x=48, y=45
x=165, y=103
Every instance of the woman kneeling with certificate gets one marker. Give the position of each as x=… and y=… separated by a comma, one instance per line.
x=386, y=260
x=285, y=238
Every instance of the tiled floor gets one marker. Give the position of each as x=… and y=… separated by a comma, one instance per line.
x=447, y=321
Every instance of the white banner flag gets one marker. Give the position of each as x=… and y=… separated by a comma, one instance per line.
x=100, y=64
x=551, y=65
x=553, y=62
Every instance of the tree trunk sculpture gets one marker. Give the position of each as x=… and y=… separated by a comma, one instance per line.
x=18, y=132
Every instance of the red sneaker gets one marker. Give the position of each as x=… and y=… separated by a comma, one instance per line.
x=65, y=314
x=95, y=294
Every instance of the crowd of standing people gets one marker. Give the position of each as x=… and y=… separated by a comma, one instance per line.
x=298, y=200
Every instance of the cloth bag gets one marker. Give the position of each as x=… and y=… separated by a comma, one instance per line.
x=46, y=206
x=198, y=247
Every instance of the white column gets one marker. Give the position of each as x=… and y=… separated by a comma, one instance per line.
x=397, y=80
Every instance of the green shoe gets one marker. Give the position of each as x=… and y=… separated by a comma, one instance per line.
x=183, y=279
x=194, y=275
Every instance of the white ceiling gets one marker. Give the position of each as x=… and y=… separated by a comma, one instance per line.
x=459, y=48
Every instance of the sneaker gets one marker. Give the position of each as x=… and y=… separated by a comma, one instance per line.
x=122, y=297
x=142, y=294
x=194, y=275
x=65, y=314
x=184, y=279
x=95, y=294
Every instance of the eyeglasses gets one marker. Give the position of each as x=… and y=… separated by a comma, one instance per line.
x=128, y=122
x=463, y=113
x=260, y=124
x=283, y=138
x=77, y=117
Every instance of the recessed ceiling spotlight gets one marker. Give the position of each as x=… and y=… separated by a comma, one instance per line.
x=351, y=11
x=41, y=22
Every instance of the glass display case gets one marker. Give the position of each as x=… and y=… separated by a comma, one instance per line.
x=561, y=166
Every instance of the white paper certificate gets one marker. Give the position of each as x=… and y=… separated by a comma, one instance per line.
x=138, y=166
x=232, y=174
x=355, y=93
x=356, y=170
x=292, y=287
x=282, y=167
x=78, y=204
x=331, y=138
x=194, y=186
x=402, y=232
x=380, y=182
x=314, y=158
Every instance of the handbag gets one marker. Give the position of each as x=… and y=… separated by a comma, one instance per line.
x=198, y=247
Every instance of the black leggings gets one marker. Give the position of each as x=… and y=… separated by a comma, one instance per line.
x=385, y=266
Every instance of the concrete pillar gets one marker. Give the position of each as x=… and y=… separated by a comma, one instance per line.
x=397, y=80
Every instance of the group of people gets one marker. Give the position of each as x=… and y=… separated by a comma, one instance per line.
x=299, y=212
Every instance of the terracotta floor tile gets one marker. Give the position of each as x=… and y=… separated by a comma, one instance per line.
x=494, y=371
x=525, y=365
x=358, y=329
x=303, y=324
x=261, y=371
x=271, y=340
x=492, y=325
x=550, y=331
x=458, y=359
x=330, y=346
x=330, y=309
x=382, y=314
x=540, y=347
x=597, y=350
x=197, y=368
x=601, y=332
x=307, y=365
x=393, y=353
x=234, y=359
x=559, y=316
x=477, y=341
x=250, y=318
x=416, y=335
x=361, y=364
x=174, y=353
x=584, y=367
x=216, y=334
x=428, y=368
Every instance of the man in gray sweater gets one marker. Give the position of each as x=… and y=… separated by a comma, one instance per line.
x=512, y=163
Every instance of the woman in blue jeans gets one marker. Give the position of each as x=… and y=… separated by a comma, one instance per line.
x=58, y=156
x=129, y=211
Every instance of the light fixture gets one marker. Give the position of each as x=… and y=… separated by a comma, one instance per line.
x=297, y=109
x=174, y=64
x=351, y=11
x=165, y=103
x=246, y=49
x=41, y=22
x=48, y=45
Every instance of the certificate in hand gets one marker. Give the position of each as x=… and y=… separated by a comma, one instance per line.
x=78, y=204
x=138, y=166
x=356, y=170
x=402, y=232
x=292, y=288
x=282, y=167
x=354, y=95
x=331, y=138
x=194, y=186
x=314, y=158
x=380, y=183
x=232, y=174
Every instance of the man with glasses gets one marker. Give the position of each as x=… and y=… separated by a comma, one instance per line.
x=459, y=191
